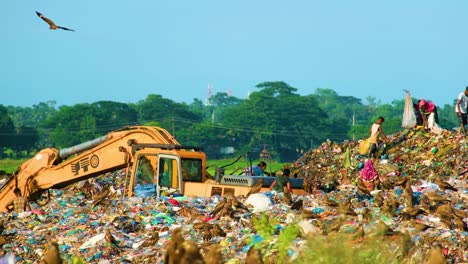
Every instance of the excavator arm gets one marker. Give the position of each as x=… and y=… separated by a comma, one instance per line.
x=52, y=168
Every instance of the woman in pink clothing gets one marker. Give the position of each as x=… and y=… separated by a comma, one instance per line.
x=426, y=108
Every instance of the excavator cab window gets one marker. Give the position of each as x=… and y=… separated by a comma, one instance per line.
x=192, y=170
x=168, y=171
x=145, y=177
x=157, y=172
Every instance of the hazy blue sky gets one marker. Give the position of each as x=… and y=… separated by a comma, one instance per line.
x=124, y=50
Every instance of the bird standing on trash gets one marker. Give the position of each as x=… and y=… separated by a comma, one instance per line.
x=362, y=188
x=408, y=195
x=52, y=254
x=52, y=25
x=382, y=229
x=445, y=213
x=420, y=226
x=406, y=244
x=443, y=185
x=191, y=253
x=174, y=247
x=366, y=214
x=254, y=256
x=359, y=232
x=436, y=256
x=345, y=208
x=218, y=207
x=287, y=198
x=100, y=197
x=307, y=214
x=256, y=188
x=378, y=200
x=152, y=240
x=329, y=202
x=334, y=226
x=213, y=256
x=113, y=245
x=297, y=205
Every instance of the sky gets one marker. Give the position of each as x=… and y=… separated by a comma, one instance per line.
x=123, y=50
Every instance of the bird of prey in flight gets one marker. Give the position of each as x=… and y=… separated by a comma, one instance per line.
x=51, y=23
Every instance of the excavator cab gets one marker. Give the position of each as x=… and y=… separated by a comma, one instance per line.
x=157, y=174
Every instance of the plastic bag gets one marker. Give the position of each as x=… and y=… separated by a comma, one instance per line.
x=347, y=158
x=432, y=125
x=409, y=117
x=364, y=146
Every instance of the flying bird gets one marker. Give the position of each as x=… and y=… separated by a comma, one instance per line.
x=51, y=23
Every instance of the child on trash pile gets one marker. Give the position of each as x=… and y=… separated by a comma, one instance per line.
x=376, y=132
x=281, y=182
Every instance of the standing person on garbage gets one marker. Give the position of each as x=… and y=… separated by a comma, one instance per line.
x=19, y=204
x=376, y=132
x=282, y=181
x=461, y=109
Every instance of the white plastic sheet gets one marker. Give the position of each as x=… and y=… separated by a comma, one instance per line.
x=409, y=117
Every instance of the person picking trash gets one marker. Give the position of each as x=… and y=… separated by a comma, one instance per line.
x=282, y=181
x=376, y=132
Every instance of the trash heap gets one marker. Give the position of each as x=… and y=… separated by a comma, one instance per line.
x=409, y=216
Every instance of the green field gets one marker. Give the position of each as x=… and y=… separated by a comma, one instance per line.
x=10, y=165
x=238, y=167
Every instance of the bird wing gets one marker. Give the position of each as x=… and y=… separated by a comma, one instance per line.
x=64, y=28
x=48, y=21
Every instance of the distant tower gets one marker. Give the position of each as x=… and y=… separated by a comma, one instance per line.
x=210, y=93
x=229, y=92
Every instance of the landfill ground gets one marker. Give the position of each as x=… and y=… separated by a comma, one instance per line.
x=417, y=212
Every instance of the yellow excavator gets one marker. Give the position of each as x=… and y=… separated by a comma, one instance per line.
x=154, y=163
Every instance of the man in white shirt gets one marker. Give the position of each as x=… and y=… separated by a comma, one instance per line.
x=461, y=109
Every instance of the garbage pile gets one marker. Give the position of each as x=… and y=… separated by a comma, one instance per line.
x=416, y=210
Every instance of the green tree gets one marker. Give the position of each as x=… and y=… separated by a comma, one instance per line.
x=26, y=139
x=343, y=112
x=169, y=114
x=111, y=115
x=71, y=125
x=275, y=116
x=7, y=130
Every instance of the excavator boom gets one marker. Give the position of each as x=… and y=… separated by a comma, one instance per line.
x=52, y=168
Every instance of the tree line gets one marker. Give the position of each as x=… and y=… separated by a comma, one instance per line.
x=274, y=117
